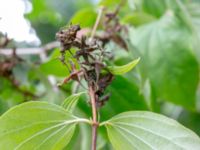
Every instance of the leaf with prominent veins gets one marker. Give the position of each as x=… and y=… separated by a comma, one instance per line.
x=37, y=125
x=141, y=130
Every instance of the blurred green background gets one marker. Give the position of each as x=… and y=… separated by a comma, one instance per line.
x=164, y=33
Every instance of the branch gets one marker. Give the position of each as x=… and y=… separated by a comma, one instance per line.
x=30, y=51
x=97, y=22
x=41, y=51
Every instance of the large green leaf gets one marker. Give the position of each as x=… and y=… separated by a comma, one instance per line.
x=36, y=125
x=142, y=130
x=167, y=60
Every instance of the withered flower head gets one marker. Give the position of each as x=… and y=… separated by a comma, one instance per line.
x=67, y=36
x=90, y=56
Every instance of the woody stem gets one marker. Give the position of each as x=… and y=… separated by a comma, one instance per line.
x=95, y=123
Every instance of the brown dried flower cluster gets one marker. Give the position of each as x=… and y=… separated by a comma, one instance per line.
x=90, y=56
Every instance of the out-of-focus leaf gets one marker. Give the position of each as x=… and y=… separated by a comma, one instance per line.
x=150, y=96
x=194, y=14
x=167, y=60
x=149, y=131
x=138, y=18
x=149, y=7
x=189, y=14
x=109, y=3
x=47, y=16
x=190, y=120
x=79, y=16
x=119, y=70
x=70, y=102
x=52, y=96
x=79, y=137
x=54, y=67
x=20, y=72
x=3, y=106
x=125, y=96
x=42, y=10
x=9, y=94
x=44, y=19
x=36, y=125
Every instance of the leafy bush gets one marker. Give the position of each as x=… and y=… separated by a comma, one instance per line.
x=86, y=92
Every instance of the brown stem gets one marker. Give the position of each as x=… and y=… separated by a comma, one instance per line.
x=95, y=123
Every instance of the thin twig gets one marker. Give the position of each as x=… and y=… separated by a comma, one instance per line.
x=30, y=51
x=97, y=22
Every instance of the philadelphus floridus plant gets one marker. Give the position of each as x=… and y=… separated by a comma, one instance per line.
x=46, y=126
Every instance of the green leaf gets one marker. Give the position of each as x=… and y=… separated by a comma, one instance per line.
x=189, y=14
x=42, y=9
x=58, y=68
x=82, y=130
x=126, y=94
x=167, y=60
x=78, y=18
x=71, y=101
x=109, y=3
x=46, y=18
x=190, y=120
x=138, y=18
x=54, y=67
x=149, y=7
x=119, y=70
x=149, y=131
x=3, y=106
x=36, y=125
